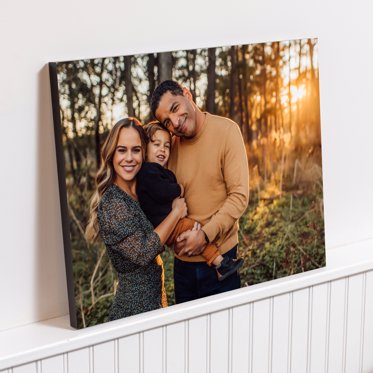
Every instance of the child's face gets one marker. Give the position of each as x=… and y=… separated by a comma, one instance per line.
x=158, y=149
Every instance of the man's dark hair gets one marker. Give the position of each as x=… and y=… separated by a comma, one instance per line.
x=166, y=86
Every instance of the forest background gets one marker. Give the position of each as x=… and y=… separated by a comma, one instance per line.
x=270, y=89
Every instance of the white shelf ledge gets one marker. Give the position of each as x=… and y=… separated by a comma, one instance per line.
x=52, y=337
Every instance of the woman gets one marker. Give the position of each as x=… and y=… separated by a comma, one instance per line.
x=132, y=243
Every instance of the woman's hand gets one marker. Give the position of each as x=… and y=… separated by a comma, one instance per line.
x=179, y=210
x=180, y=207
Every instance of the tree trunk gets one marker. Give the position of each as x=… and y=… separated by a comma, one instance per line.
x=264, y=116
x=98, y=116
x=128, y=85
x=151, y=75
x=211, y=80
x=191, y=61
x=233, y=76
x=311, y=46
x=68, y=146
x=289, y=89
x=240, y=88
x=314, y=98
x=247, y=132
x=72, y=98
x=278, y=106
x=299, y=80
x=264, y=92
x=164, y=66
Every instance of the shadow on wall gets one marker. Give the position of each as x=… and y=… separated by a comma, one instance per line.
x=50, y=279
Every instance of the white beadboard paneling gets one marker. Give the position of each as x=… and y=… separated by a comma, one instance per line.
x=280, y=333
x=130, y=354
x=299, y=339
x=241, y=341
x=261, y=336
x=368, y=325
x=53, y=364
x=27, y=368
x=354, y=324
x=318, y=329
x=154, y=359
x=219, y=342
x=176, y=347
x=79, y=361
x=323, y=326
x=53, y=337
x=198, y=346
x=337, y=326
x=104, y=356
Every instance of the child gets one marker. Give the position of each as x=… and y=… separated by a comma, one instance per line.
x=157, y=187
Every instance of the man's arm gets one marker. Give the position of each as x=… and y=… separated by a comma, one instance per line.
x=236, y=178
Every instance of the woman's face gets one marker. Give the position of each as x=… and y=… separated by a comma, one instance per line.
x=128, y=157
x=158, y=149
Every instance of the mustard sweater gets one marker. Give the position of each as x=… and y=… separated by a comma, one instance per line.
x=213, y=168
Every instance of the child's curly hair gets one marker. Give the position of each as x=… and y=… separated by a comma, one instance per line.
x=152, y=127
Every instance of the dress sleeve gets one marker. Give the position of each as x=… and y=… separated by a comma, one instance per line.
x=121, y=229
x=160, y=184
x=236, y=177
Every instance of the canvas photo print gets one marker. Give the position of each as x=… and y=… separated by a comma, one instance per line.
x=186, y=174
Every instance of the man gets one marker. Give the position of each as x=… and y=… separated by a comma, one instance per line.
x=209, y=159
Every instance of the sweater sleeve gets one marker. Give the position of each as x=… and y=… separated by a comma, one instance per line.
x=140, y=248
x=160, y=183
x=236, y=178
x=122, y=232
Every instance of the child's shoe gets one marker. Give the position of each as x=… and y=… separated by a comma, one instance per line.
x=227, y=267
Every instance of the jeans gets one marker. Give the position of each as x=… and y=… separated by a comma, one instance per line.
x=195, y=280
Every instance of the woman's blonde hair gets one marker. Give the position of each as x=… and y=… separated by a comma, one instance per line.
x=105, y=175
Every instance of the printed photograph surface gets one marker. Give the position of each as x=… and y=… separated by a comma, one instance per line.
x=186, y=174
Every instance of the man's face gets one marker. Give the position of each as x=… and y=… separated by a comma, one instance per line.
x=178, y=114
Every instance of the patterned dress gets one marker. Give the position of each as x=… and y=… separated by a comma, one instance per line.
x=134, y=250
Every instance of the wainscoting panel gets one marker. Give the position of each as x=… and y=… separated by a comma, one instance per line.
x=26, y=368
x=105, y=357
x=354, y=324
x=281, y=333
x=337, y=326
x=80, y=361
x=300, y=323
x=320, y=322
x=368, y=325
x=154, y=350
x=130, y=354
x=320, y=295
x=220, y=340
x=262, y=315
x=198, y=345
x=55, y=364
x=176, y=347
x=241, y=334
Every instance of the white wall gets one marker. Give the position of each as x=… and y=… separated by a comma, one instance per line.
x=32, y=283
